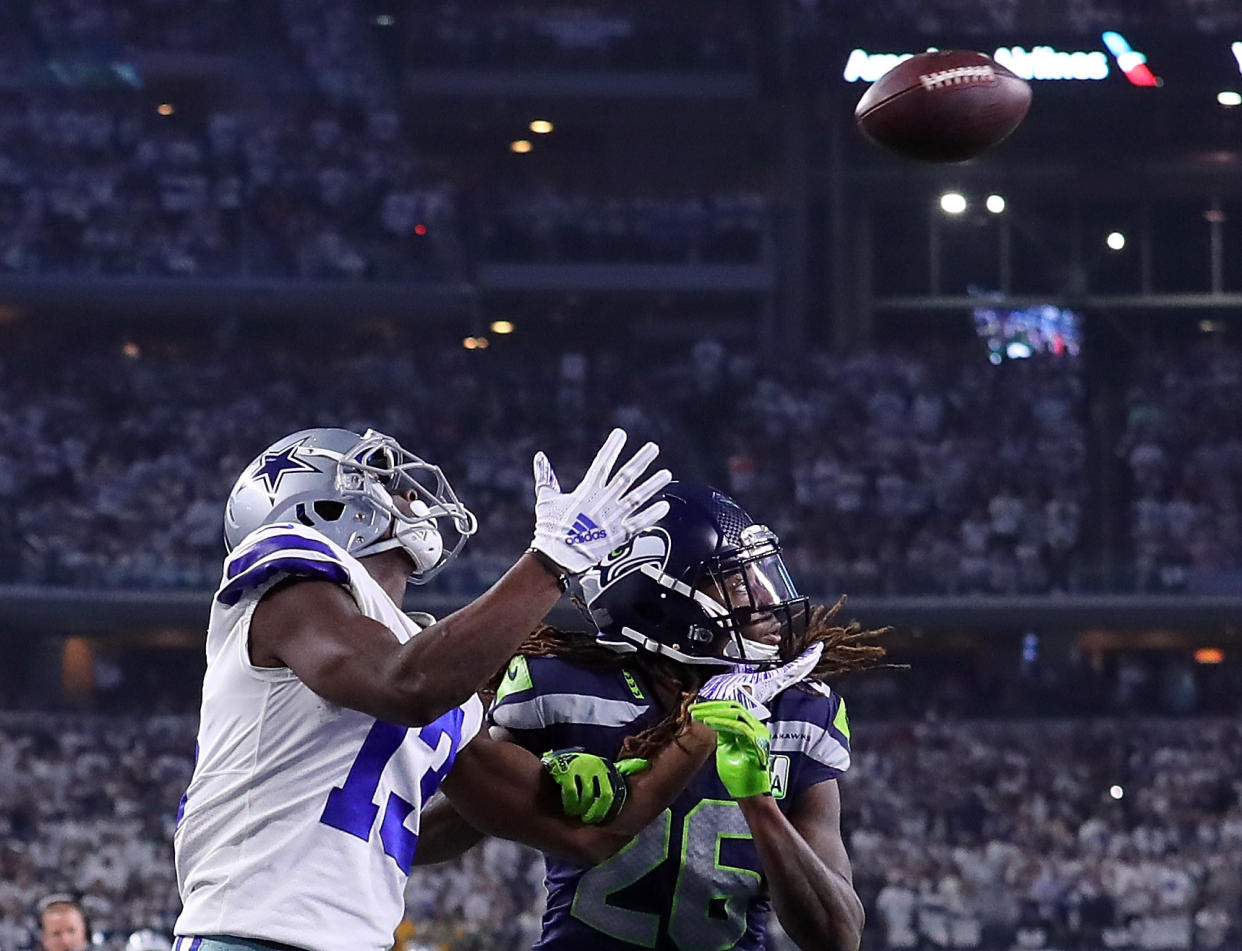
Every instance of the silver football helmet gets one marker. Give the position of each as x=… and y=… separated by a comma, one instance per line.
x=342, y=485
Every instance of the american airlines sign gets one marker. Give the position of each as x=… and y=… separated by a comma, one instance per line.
x=1035, y=63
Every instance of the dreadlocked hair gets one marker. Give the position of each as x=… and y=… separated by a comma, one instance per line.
x=846, y=651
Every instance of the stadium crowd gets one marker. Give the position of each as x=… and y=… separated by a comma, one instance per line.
x=90, y=190
x=94, y=189
x=884, y=472
x=1186, y=514
x=642, y=35
x=991, y=18
x=1114, y=833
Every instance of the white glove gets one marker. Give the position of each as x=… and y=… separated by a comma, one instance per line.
x=577, y=529
x=754, y=689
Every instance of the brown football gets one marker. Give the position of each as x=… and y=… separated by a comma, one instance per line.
x=943, y=106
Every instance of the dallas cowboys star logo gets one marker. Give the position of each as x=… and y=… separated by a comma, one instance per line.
x=274, y=466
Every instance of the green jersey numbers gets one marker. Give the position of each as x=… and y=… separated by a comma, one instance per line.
x=707, y=907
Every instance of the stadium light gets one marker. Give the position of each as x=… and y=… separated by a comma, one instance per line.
x=952, y=203
x=996, y=204
x=520, y=146
x=502, y=327
x=165, y=109
x=1115, y=240
x=1209, y=655
x=1116, y=792
x=1228, y=98
x=541, y=126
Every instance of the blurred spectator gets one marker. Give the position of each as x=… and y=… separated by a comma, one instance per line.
x=62, y=924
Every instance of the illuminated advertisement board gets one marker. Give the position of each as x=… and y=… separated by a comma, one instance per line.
x=1040, y=62
x=1114, y=59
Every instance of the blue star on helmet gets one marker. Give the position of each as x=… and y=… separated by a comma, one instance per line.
x=274, y=466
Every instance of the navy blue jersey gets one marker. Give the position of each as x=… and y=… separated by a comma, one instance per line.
x=691, y=880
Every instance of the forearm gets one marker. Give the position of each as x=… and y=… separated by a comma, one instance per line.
x=503, y=790
x=443, y=834
x=655, y=788
x=816, y=905
x=452, y=659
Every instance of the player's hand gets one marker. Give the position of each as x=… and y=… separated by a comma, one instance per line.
x=755, y=689
x=593, y=789
x=743, y=746
x=576, y=529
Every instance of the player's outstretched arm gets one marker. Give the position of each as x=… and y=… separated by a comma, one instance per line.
x=502, y=789
x=316, y=630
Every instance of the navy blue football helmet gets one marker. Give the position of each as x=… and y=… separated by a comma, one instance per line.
x=704, y=585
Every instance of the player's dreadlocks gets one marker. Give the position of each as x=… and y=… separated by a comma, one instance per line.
x=846, y=650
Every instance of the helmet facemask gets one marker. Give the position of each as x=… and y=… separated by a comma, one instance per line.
x=378, y=470
x=764, y=616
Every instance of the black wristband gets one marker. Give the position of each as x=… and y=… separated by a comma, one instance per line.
x=620, y=792
x=551, y=567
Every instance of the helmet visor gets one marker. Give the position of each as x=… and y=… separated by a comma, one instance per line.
x=763, y=601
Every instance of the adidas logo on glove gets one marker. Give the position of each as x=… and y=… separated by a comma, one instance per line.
x=583, y=531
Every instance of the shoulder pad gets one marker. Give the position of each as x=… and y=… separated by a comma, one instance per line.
x=818, y=686
x=516, y=678
x=816, y=725
x=538, y=692
x=275, y=550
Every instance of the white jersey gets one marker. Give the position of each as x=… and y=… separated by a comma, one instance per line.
x=301, y=819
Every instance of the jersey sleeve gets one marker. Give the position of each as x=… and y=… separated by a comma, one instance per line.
x=472, y=719
x=811, y=729
x=277, y=550
x=519, y=707
x=549, y=703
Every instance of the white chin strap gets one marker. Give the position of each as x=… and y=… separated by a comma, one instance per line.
x=420, y=539
x=752, y=651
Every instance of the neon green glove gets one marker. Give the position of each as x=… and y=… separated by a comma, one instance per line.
x=593, y=789
x=743, y=746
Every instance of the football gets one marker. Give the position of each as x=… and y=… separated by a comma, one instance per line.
x=943, y=106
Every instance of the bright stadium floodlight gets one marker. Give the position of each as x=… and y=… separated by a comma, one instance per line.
x=1115, y=240
x=996, y=204
x=1116, y=792
x=502, y=327
x=1228, y=98
x=541, y=126
x=952, y=203
x=520, y=146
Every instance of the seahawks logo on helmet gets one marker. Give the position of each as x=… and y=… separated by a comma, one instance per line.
x=649, y=548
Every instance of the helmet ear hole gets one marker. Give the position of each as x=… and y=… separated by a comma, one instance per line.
x=328, y=510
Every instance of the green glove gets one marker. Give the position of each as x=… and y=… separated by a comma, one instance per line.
x=743, y=746
x=593, y=789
